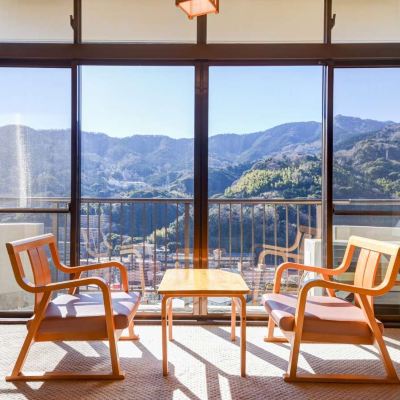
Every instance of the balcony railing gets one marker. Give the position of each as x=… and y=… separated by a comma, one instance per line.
x=152, y=235
x=149, y=236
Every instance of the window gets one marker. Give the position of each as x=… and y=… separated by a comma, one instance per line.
x=35, y=159
x=137, y=171
x=264, y=171
x=366, y=163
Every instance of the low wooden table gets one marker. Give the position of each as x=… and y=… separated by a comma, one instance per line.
x=203, y=283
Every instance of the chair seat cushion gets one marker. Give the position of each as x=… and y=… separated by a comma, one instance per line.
x=85, y=314
x=323, y=315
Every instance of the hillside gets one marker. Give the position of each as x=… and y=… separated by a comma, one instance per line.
x=283, y=161
x=365, y=166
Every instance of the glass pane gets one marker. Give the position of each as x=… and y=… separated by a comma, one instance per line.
x=137, y=172
x=280, y=21
x=20, y=226
x=264, y=172
x=136, y=21
x=366, y=140
x=36, y=20
x=35, y=120
x=366, y=163
x=386, y=228
x=366, y=21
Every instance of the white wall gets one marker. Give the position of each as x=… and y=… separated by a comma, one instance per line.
x=36, y=20
x=12, y=297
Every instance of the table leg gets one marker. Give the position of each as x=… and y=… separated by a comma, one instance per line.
x=170, y=300
x=233, y=320
x=242, y=336
x=164, y=334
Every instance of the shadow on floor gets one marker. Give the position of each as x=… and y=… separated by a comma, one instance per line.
x=144, y=378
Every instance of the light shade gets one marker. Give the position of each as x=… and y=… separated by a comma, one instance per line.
x=195, y=8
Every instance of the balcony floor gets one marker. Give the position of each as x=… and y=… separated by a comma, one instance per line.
x=203, y=362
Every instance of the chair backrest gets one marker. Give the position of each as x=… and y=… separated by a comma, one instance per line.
x=369, y=260
x=304, y=232
x=35, y=247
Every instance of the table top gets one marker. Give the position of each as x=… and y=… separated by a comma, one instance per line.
x=202, y=281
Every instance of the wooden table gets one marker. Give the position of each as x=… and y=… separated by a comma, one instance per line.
x=203, y=283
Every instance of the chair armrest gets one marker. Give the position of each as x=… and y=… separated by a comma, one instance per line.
x=325, y=272
x=110, y=264
x=338, y=286
x=101, y=283
x=275, y=248
x=329, y=285
x=73, y=283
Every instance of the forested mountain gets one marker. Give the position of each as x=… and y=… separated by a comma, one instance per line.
x=284, y=161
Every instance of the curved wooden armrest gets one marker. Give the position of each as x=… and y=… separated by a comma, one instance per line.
x=101, y=283
x=277, y=251
x=327, y=284
x=109, y=264
x=50, y=287
x=275, y=248
x=325, y=272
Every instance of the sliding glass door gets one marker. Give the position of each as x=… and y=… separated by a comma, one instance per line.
x=35, y=167
x=264, y=158
x=137, y=173
x=366, y=180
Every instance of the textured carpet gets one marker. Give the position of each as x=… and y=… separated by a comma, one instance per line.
x=203, y=362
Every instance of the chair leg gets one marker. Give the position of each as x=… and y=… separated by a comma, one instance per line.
x=270, y=333
x=132, y=335
x=17, y=375
x=115, y=365
x=33, y=328
x=385, y=357
x=21, y=357
x=292, y=376
x=293, y=358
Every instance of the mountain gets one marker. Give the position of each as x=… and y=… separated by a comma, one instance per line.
x=366, y=165
x=37, y=162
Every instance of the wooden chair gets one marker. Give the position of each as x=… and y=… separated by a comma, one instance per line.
x=293, y=252
x=328, y=319
x=71, y=316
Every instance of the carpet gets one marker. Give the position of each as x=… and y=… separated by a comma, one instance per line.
x=203, y=364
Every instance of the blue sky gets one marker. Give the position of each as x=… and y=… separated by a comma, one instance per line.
x=123, y=101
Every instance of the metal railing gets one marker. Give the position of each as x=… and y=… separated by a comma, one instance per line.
x=248, y=236
x=152, y=235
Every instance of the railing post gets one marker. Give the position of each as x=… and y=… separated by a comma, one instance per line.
x=186, y=239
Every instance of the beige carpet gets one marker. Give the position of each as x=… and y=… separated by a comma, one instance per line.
x=204, y=364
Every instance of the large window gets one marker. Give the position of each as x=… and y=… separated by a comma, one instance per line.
x=137, y=171
x=264, y=171
x=35, y=159
x=366, y=162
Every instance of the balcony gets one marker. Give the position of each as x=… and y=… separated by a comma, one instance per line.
x=247, y=236
x=150, y=236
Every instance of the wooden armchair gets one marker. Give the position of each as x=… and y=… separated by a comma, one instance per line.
x=71, y=316
x=293, y=252
x=328, y=319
